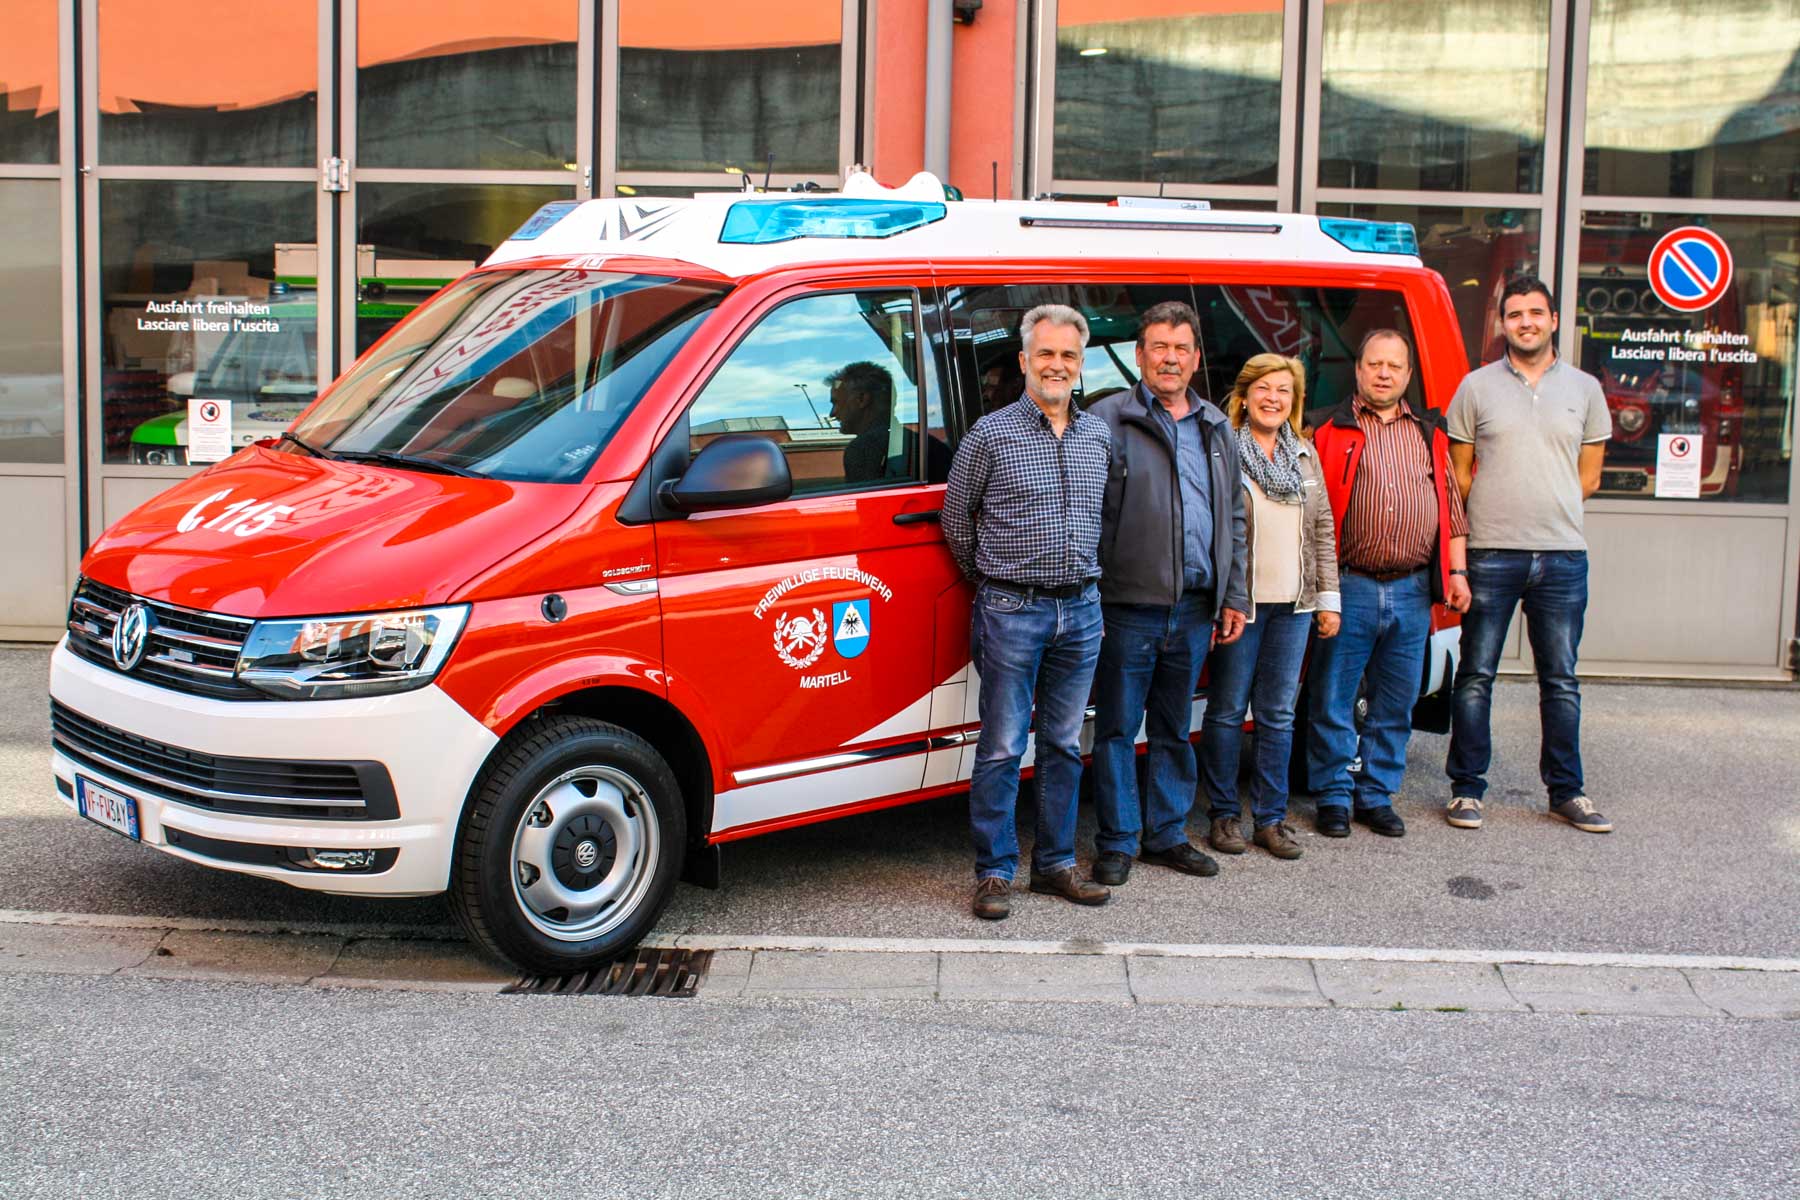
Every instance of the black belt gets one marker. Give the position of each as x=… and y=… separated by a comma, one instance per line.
x=1385, y=576
x=1030, y=591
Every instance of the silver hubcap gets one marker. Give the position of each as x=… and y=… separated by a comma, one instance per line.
x=585, y=852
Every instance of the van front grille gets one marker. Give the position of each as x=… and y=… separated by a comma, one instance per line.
x=186, y=651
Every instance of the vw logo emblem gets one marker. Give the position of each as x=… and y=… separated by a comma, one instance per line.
x=130, y=636
x=586, y=855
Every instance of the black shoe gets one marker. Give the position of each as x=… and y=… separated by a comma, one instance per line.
x=1112, y=868
x=1333, y=821
x=1181, y=857
x=1384, y=821
x=1070, y=886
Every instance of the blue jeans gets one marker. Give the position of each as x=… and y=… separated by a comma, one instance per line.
x=1263, y=667
x=1024, y=647
x=1383, y=635
x=1552, y=585
x=1149, y=664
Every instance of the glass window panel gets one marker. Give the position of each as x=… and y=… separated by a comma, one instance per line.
x=29, y=82
x=705, y=86
x=1724, y=374
x=209, y=83
x=31, y=381
x=1694, y=98
x=477, y=84
x=522, y=375
x=208, y=290
x=413, y=238
x=1476, y=250
x=1322, y=327
x=1193, y=98
x=1430, y=95
x=832, y=380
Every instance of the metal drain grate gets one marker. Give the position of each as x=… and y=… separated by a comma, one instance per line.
x=672, y=973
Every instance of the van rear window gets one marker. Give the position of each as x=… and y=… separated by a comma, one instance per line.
x=518, y=375
x=1320, y=326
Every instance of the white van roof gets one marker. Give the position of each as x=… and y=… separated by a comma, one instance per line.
x=743, y=233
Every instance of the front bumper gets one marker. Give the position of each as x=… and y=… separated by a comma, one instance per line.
x=431, y=747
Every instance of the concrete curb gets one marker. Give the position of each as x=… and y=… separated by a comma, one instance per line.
x=935, y=970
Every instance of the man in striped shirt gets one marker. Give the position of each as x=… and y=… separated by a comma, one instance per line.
x=1022, y=518
x=1402, y=535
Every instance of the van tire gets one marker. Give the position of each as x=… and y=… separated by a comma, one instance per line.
x=570, y=847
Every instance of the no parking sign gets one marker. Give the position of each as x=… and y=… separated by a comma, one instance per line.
x=1690, y=268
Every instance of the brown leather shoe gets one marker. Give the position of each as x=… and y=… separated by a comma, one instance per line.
x=993, y=899
x=1069, y=886
x=1225, y=836
x=1278, y=840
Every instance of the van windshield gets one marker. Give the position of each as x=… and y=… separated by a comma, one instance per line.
x=520, y=375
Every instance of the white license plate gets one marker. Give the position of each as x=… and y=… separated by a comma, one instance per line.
x=103, y=806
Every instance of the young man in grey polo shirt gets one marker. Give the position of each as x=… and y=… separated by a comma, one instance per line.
x=1527, y=437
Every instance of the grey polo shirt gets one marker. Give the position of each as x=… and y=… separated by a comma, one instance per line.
x=1527, y=491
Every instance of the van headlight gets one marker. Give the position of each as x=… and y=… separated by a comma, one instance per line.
x=364, y=654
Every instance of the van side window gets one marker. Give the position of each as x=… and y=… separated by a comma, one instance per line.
x=833, y=381
x=1320, y=326
x=984, y=323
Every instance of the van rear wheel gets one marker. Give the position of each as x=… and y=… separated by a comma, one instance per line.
x=570, y=848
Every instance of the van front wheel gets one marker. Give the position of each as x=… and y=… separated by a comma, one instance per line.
x=570, y=848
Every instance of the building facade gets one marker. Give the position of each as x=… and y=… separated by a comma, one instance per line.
x=230, y=201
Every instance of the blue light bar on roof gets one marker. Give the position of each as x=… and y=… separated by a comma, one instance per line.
x=1371, y=237
x=757, y=223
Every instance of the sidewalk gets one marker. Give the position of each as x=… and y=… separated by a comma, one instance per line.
x=946, y=970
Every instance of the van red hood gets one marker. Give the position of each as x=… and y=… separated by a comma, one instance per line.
x=359, y=537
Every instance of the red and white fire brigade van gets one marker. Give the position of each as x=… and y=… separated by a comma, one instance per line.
x=626, y=544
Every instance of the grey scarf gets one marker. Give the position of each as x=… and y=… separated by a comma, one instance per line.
x=1279, y=479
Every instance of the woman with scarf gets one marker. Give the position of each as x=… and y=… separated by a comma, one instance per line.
x=1293, y=577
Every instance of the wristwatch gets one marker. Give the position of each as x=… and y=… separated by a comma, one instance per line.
x=1458, y=571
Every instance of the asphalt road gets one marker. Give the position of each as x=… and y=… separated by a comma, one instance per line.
x=1700, y=782
x=135, y=1088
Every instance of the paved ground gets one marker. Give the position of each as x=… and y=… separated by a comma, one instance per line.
x=1526, y=1010
x=129, y=1088
x=947, y=970
x=1700, y=781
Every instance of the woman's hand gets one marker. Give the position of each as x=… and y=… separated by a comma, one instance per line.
x=1328, y=623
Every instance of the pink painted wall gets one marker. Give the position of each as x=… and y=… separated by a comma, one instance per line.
x=981, y=116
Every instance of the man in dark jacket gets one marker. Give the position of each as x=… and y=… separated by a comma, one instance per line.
x=1171, y=580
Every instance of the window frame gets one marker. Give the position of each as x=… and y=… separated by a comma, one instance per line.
x=671, y=466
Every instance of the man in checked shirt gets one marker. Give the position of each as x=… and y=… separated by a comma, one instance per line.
x=1401, y=544
x=1022, y=518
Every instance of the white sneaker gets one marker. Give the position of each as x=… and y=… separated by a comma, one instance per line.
x=1464, y=812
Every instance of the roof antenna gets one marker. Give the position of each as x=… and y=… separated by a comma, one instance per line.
x=768, y=170
x=994, y=165
x=1162, y=181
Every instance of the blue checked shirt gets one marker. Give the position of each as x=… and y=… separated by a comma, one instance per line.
x=1023, y=505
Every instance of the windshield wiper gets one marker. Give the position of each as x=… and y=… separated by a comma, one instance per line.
x=294, y=439
x=393, y=459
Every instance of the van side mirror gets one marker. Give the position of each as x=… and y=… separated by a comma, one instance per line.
x=733, y=471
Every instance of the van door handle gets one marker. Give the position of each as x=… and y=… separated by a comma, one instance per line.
x=929, y=515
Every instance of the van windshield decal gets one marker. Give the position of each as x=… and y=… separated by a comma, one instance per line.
x=517, y=375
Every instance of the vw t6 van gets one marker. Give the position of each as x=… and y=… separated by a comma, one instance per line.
x=625, y=545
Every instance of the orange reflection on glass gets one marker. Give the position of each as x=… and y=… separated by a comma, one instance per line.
x=708, y=25
x=207, y=54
